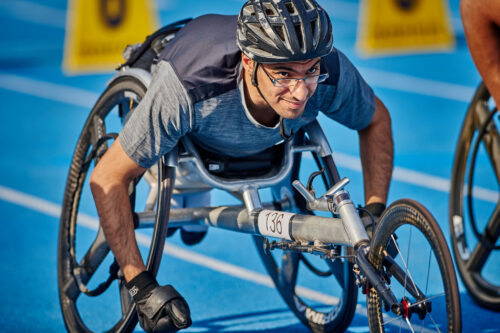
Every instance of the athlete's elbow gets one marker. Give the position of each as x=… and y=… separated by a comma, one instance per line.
x=97, y=182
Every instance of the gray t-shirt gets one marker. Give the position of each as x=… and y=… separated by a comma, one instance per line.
x=202, y=96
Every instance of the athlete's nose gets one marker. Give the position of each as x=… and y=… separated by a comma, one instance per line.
x=300, y=91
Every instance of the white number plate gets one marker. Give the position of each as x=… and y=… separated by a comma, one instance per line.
x=275, y=223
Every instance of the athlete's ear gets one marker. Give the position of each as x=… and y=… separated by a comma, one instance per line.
x=247, y=63
x=250, y=67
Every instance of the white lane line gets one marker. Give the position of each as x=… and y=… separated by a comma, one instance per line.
x=416, y=178
x=29, y=201
x=85, y=98
x=47, y=90
x=376, y=78
x=410, y=84
x=54, y=210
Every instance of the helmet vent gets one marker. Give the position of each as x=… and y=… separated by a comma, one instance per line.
x=291, y=8
x=300, y=36
x=281, y=33
x=270, y=10
x=314, y=32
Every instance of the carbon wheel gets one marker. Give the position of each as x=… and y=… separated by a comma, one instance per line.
x=474, y=202
x=420, y=274
x=299, y=276
x=92, y=293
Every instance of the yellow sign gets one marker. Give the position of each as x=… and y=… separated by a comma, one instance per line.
x=403, y=26
x=97, y=31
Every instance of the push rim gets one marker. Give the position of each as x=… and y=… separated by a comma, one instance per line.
x=475, y=257
x=330, y=313
x=425, y=266
x=74, y=256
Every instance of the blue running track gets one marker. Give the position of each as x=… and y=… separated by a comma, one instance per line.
x=42, y=111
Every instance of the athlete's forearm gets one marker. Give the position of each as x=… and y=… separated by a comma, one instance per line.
x=377, y=155
x=115, y=216
x=481, y=22
x=109, y=184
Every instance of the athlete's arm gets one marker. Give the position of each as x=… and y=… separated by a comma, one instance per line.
x=377, y=153
x=481, y=20
x=109, y=184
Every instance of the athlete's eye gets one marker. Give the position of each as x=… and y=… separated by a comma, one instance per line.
x=282, y=75
x=313, y=70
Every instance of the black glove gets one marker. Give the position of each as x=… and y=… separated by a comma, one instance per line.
x=376, y=210
x=370, y=215
x=161, y=309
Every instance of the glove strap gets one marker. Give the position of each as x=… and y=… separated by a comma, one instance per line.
x=141, y=285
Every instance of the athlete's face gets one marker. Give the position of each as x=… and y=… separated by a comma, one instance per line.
x=288, y=101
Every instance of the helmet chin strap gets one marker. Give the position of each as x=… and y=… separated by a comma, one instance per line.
x=253, y=78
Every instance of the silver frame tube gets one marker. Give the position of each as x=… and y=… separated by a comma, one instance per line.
x=304, y=228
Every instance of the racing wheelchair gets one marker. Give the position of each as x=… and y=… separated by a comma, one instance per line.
x=474, y=208
x=405, y=270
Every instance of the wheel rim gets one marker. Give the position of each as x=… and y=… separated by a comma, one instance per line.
x=425, y=283
x=476, y=260
x=299, y=276
x=80, y=227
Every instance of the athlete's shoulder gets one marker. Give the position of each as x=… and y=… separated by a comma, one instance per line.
x=331, y=64
x=205, y=55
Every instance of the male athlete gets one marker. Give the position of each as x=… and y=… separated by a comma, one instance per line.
x=232, y=83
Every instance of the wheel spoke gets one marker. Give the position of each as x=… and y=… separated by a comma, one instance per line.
x=402, y=277
x=434, y=323
x=94, y=257
x=492, y=230
x=407, y=272
x=491, y=141
x=409, y=324
x=426, y=299
x=481, y=252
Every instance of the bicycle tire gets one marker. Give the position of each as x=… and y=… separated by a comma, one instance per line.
x=123, y=94
x=438, y=305
x=338, y=317
x=471, y=262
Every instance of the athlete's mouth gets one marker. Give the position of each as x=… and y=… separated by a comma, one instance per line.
x=294, y=104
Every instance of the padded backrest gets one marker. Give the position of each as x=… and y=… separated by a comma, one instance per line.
x=143, y=55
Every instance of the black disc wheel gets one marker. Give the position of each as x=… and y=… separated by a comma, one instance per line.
x=320, y=292
x=474, y=202
x=411, y=253
x=92, y=293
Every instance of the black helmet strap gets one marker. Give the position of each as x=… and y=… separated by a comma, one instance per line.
x=253, y=78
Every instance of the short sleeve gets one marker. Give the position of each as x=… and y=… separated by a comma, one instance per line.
x=351, y=101
x=162, y=117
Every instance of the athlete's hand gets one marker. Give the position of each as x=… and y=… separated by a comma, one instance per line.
x=370, y=215
x=161, y=309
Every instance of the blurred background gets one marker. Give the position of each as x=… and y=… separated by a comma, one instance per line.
x=47, y=90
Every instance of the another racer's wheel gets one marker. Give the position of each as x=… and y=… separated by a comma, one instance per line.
x=92, y=293
x=474, y=202
x=321, y=293
x=421, y=274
